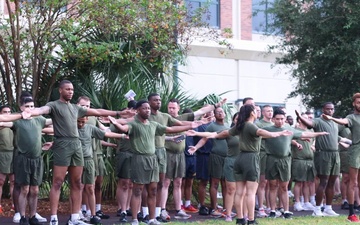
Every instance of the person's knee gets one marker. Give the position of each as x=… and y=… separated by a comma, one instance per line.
x=57, y=182
x=89, y=189
x=34, y=191
x=137, y=191
x=24, y=190
x=177, y=183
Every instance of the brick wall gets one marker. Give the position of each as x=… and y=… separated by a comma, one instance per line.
x=225, y=14
x=246, y=21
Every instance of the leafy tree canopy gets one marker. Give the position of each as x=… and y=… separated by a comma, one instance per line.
x=320, y=40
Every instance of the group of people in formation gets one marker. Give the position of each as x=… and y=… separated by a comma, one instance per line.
x=254, y=159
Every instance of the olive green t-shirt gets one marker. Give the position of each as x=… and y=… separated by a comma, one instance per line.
x=354, y=125
x=165, y=120
x=233, y=146
x=96, y=143
x=6, y=139
x=123, y=145
x=328, y=142
x=262, y=123
x=142, y=135
x=64, y=117
x=346, y=133
x=219, y=145
x=86, y=134
x=280, y=146
x=249, y=141
x=28, y=136
x=305, y=152
x=179, y=147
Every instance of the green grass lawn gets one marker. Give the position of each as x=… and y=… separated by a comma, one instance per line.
x=305, y=220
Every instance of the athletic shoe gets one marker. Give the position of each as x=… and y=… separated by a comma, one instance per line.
x=54, y=222
x=330, y=212
x=77, y=222
x=134, y=222
x=272, y=215
x=278, y=212
x=288, y=215
x=165, y=215
x=241, y=221
x=219, y=207
x=216, y=213
x=252, y=222
x=34, y=221
x=290, y=194
x=140, y=216
x=154, y=222
x=261, y=213
x=317, y=213
x=23, y=221
x=298, y=207
x=40, y=218
x=118, y=212
x=146, y=219
x=228, y=218
x=160, y=219
x=307, y=206
x=203, y=210
x=128, y=212
x=95, y=220
x=17, y=217
x=353, y=219
x=345, y=205
x=101, y=215
x=190, y=209
x=182, y=215
x=123, y=218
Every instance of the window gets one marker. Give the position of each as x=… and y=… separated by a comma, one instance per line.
x=212, y=14
x=261, y=19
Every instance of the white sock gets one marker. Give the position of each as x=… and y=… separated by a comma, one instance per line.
x=83, y=207
x=318, y=207
x=345, y=200
x=88, y=212
x=302, y=199
x=187, y=203
x=97, y=207
x=53, y=217
x=312, y=198
x=157, y=211
x=145, y=211
x=75, y=216
x=328, y=207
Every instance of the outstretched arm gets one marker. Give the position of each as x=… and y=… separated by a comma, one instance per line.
x=123, y=128
x=38, y=111
x=105, y=112
x=343, y=121
x=222, y=135
x=177, y=129
x=306, y=122
x=208, y=108
x=193, y=149
x=266, y=134
x=313, y=134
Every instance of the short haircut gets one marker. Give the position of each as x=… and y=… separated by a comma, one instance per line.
x=278, y=111
x=174, y=100
x=152, y=95
x=63, y=82
x=308, y=112
x=131, y=104
x=83, y=97
x=25, y=97
x=140, y=103
x=246, y=99
x=355, y=96
x=4, y=106
x=327, y=103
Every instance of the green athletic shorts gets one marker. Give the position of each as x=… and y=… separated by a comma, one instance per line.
x=100, y=166
x=67, y=152
x=278, y=168
x=246, y=167
x=88, y=175
x=344, y=162
x=262, y=162
x=303, y=170
x=28, y=171
x=144, y=169
x=123, y=164
x=354, y=156
x=161, y=157
x=175, y=165
x=6, y=162
x=228, y=169
x=216, y=166
x=327, y=163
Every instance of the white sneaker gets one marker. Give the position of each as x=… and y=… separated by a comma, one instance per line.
x=134, y=222
x=330, y=212
x=298, y=207
x=261, y=213
x=165, y=215
x=40, y=218
x=154, y=222
x=290, y=194
x=308, y=206
x=17, y=217
x=317, y=213
x=278, y=213
x=77, y=222
x=182, y=215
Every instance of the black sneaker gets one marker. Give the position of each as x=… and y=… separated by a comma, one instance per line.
x=83, y=212
x=241, y=221
x=204, y=211
x=146, y=219
x=345, y=205
x=252, y=222
x=102, y=215
x=272, y=215
x=140, y=216
x=128, y=212
x=34, y=221
x=118, y=213
x=161, y=220
x=123, y=218
x=288, y=215
x=23, y=221
x=95, y=220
